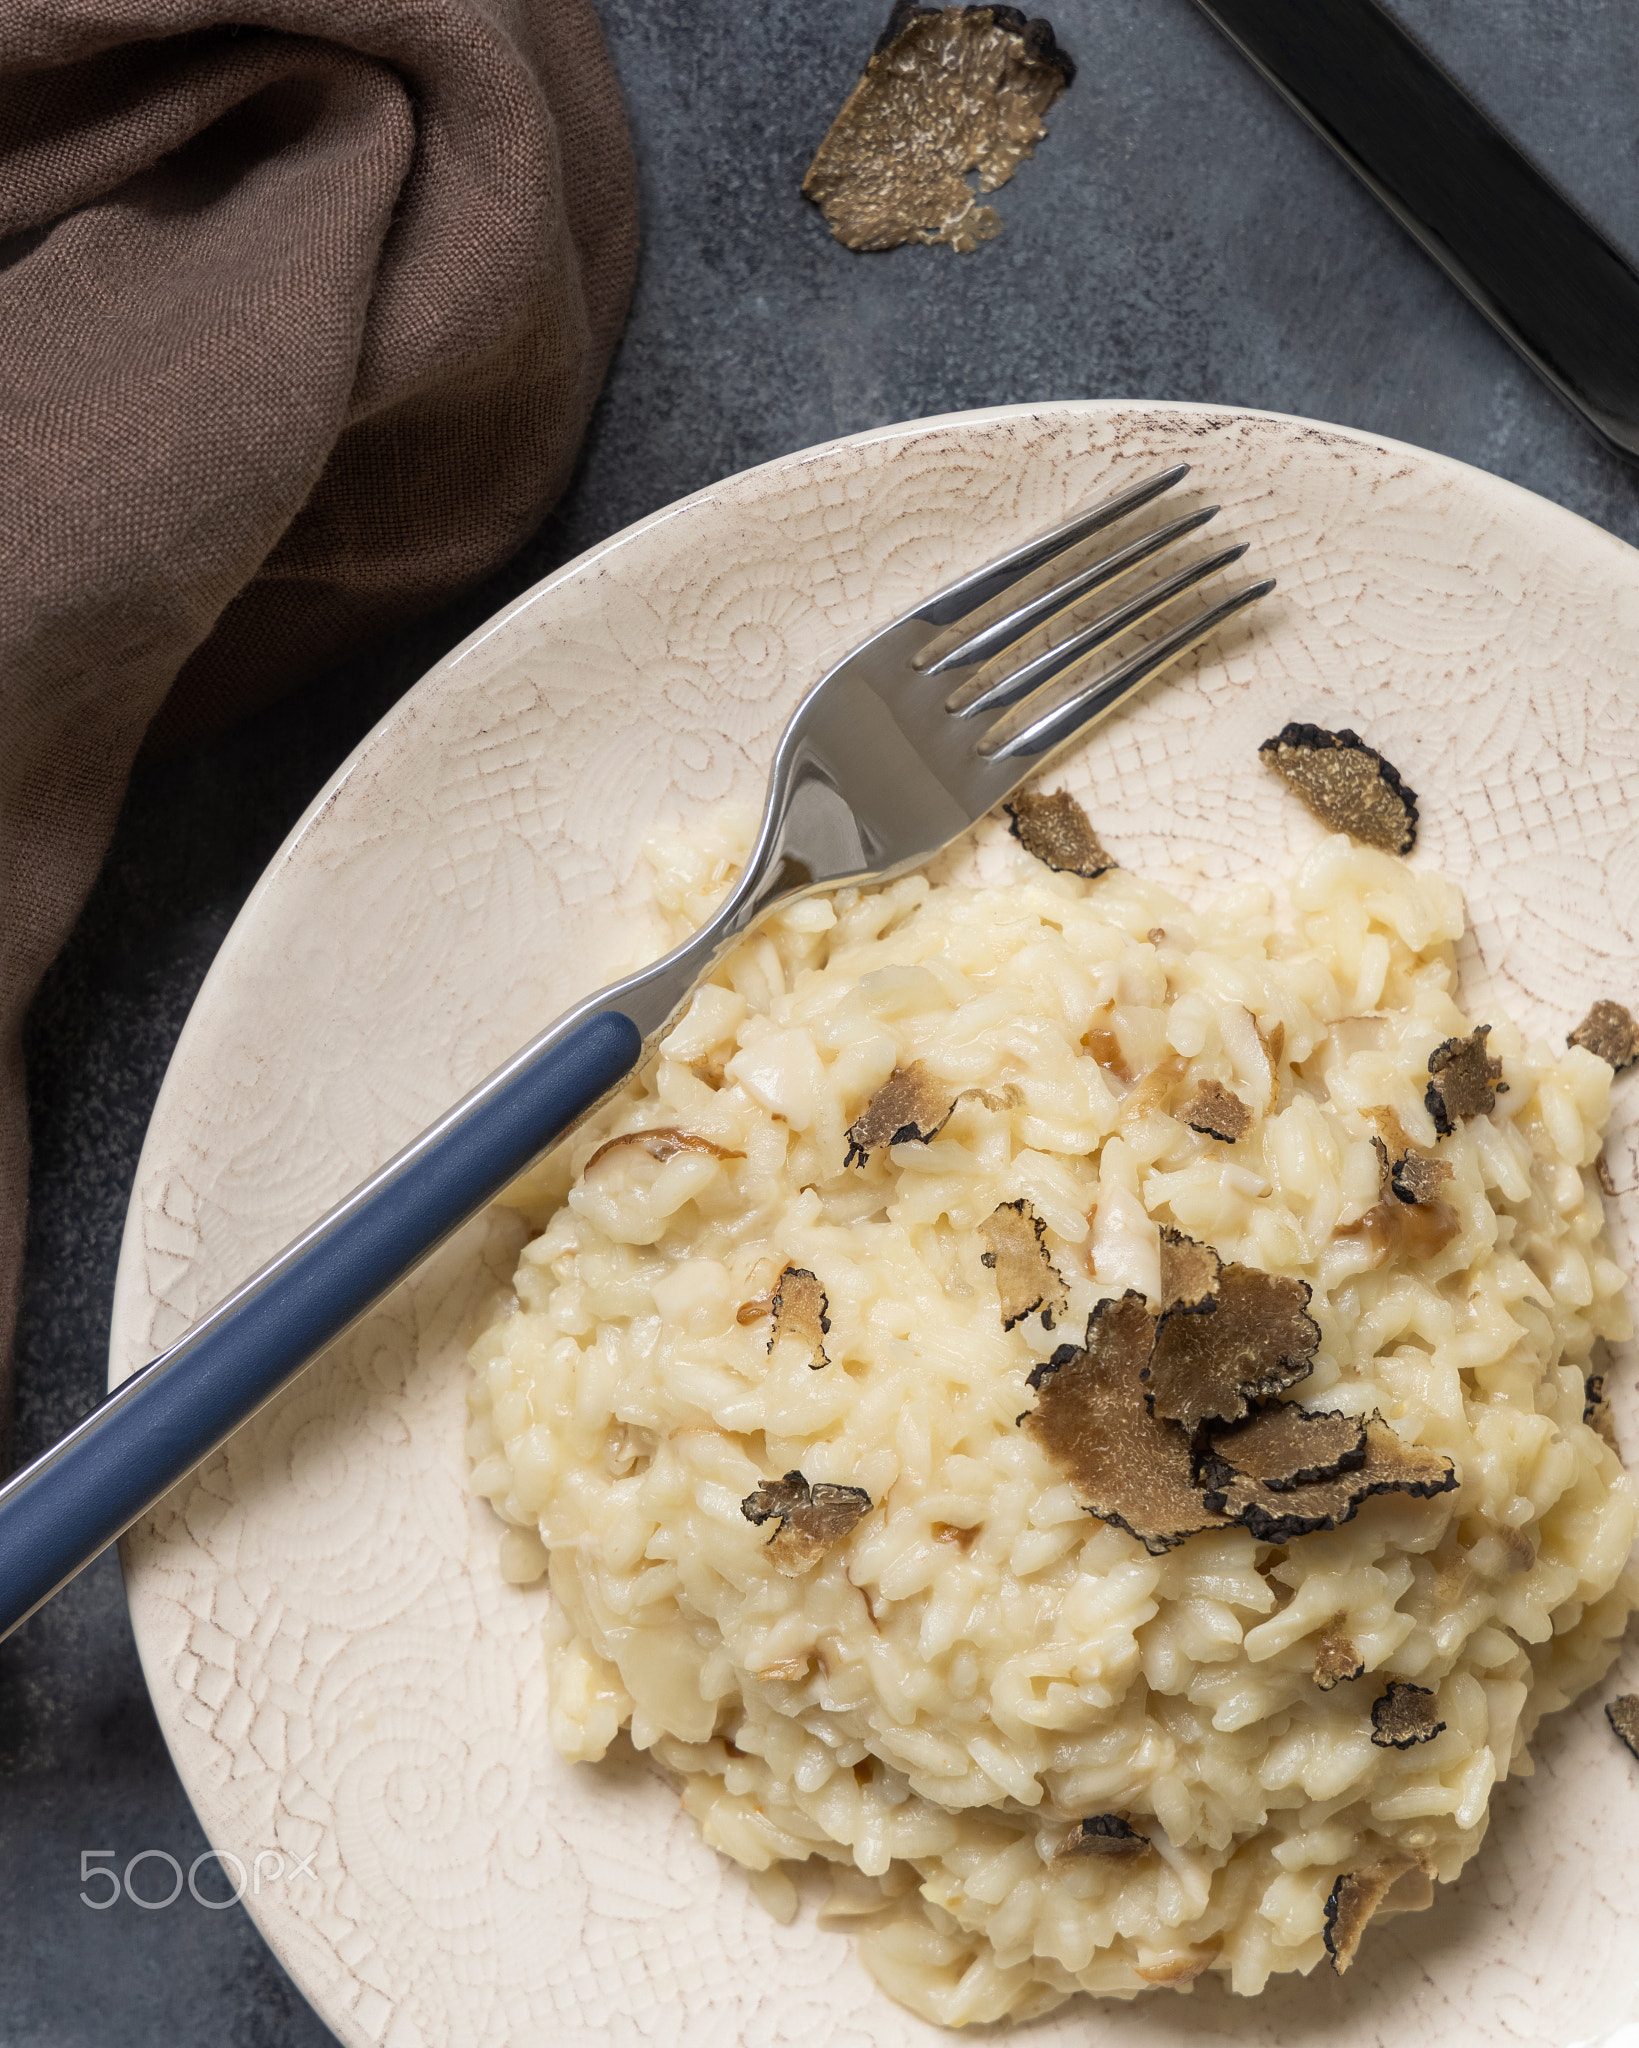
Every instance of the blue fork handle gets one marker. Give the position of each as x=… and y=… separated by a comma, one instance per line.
x=58, y=1513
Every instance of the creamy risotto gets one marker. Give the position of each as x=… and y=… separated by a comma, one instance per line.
x=811, y=1386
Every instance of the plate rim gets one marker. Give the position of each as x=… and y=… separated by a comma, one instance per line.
x=1512, y=500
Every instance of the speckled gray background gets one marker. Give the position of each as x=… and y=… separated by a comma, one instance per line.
x=1181, y=235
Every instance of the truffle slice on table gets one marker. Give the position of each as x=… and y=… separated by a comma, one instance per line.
x=1216, y=1112
x=812, y=1519
x=1405, y=1715
x=1352, y=1901
x=911, y=1107
x=1109, y=1835
x=1277, y=1514
x=1127, y=1466
x=1610, y=1031
x=1256, y=1340
x=799, y=1308
x=1623, y=1715
x=1464, y=1080
x=1026, y=1278
x=1337, y=1661
x=1346, y=784
x=1059, y=833
x=947, y=91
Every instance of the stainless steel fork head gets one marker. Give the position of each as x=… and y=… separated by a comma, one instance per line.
x=887, y=760
x=890, y=757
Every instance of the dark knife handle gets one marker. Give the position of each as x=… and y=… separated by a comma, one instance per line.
x=1532, y=263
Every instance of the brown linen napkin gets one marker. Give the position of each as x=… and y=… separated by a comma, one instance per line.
x=301, y=320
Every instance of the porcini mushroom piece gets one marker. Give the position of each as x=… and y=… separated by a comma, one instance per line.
x=1610, y=1031
x=799, y=1309
x=1415, y=1230
x=1283, y=1446
x=1257, y=1340
x=1337, y=1661
x=1215, y=1112
x=1109, y=1835
x=1189, y=1271
x=1623, y=1715
x=1059, y=833
x=1464, y=1080
x=1277, y=1515
x=1026, y=1278
x=1127, y=1466
x=944, y=93
x=1273, y=1042
x=911, y=1107
x=1000, y=1101
x=1351, y=1903
x=1346, y=784
x=1405, y=1715
x=661, y=1145
x=812, y=1518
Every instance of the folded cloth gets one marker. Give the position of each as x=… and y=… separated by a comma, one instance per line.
x=301, y=320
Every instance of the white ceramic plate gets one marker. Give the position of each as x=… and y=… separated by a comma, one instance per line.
x=348, y=1687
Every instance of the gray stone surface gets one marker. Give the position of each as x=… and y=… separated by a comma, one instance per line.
x=1180, y=235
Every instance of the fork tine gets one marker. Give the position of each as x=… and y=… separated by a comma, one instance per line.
x=956, y=600
x=986, y=645
x=1025, y=681
x=1050, y=729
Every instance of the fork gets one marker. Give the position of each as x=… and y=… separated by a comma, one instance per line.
x=893, y=754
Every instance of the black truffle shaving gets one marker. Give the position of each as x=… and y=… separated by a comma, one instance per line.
x=1040, y=45
x=1404, y=1716
x=1610, y=1031
x=1465, y=1080
x=1216, y=1112
x=799, y=1307
x=1596, y=1409
x=1278, y=1516
x=775, y=1497
x=1190, y=1272
x=1283, y=1446
x=811, y=1517
x=1257, y=1340
x=1128, y=1467
x=1346, y=784
x=1337, y=1662
x=1414, y=1176
x=1059, y=833
x=1353, y=1899
x=1623, y=1715
x=945, y=92
x=1104, y=1834
x=911, y=1107
x=1026, y=1278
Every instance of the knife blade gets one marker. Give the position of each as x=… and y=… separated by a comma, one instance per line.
x=1526, y=255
